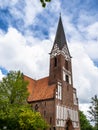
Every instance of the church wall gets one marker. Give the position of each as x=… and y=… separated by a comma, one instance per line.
x=47, y=110
x=67, y=94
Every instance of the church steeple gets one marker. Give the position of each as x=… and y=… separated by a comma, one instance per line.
x=60, y=59
x=60, y=39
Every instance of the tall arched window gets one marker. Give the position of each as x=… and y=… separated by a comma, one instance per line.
x=66, y=64
x=55, y=61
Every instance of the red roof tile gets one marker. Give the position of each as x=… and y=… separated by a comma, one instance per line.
x=39, y=89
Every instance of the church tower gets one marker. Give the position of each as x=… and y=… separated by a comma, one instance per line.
x=54, y=96
x=60, y=58
x=60, y=73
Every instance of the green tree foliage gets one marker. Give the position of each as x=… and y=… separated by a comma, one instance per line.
x=13, y=95
x=13, y=104
x=43, y=2
x=13, y=89
x=84, y=123
x=29, y=120
x=93, y=111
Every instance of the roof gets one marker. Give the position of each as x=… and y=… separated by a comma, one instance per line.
x=60, y=39
x=39, y=89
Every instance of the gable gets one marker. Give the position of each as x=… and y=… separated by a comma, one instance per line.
x=39, y=89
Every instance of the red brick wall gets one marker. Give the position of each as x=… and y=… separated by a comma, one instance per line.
x=47, y=110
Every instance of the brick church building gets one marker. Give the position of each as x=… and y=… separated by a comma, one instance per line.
x=54, y=96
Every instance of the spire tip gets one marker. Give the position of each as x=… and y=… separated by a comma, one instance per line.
x=60, y=14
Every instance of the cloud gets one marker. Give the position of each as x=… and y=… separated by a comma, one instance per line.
x=85, y=73
x=85, y=108
x=1, y=75
x=91, y=31
x=91, y=47
x=21, y=14
x=32, y=8
x=24, y=53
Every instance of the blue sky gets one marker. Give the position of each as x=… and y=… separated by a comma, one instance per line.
x=27, y=33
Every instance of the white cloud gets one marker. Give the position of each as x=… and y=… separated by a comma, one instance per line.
x=88, y=30
x=17, y=54
x=8, y=4
x=32, y=8
x=92, y=30
x=85, y=108
x=1, y=75
x=55, y=6
x=91, y=49
x=25, y=10
x=85, y=73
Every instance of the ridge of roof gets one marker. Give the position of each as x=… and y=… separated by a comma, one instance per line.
x=25, y=76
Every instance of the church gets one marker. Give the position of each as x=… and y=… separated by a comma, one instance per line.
x=54, y=96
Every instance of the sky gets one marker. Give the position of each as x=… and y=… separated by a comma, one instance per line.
x=27, y=32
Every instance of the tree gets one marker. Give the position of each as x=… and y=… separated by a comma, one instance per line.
x=43, y=2
x=84, y=123
x=93, y=110
x=13, y=89
x=13, y=95
x=13, y=103
x=29, y=120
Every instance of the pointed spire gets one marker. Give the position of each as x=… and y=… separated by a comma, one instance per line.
x=60, y=39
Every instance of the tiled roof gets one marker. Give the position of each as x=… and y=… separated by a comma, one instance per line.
x=39, y=89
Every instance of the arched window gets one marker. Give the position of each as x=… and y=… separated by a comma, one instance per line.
x=50, y=120
x=55, y=61
x=66, y=64
x=36, y=107
x=67, y=78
